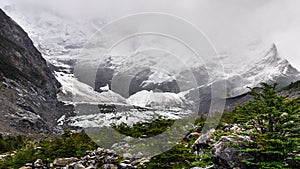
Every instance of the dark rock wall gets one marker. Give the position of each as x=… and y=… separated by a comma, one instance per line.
x=28, y=89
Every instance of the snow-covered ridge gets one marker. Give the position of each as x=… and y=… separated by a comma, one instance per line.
x=271, y=68
x=61, y=39
x=160, y=81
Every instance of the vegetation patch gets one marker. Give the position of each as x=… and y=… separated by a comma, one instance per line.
x=28, y=150
x=273, y=124
x=270, y=120
x=145, y=129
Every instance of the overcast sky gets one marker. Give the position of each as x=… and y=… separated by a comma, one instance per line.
x=230, y=24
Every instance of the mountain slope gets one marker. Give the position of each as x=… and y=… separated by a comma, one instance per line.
x=271, y=68
x=292, y=91
x=61, y=40
x=27, y=86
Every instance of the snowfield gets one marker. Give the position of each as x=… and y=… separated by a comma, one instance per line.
x=156, y=100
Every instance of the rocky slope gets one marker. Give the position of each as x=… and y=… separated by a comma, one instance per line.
x=27, y=86
x=220, y=148
x=292, y=91
x=100, y=158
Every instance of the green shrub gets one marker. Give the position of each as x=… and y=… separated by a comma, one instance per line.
x=145, y=129
x=47, y=149
x=274, y=121
x=10, y=143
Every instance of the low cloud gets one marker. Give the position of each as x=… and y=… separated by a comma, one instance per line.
x=230, y=24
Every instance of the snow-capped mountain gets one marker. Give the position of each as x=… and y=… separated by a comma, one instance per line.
x=271, y=68
x=128, y=74
x=56, y=36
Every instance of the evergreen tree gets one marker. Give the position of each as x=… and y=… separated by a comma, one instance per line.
x=272, y=121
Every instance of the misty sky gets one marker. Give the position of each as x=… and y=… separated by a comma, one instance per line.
x=230, y=24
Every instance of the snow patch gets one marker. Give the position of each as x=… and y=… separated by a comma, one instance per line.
x=77, y=92
x=155, y=100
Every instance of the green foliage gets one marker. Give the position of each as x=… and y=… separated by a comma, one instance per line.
x=10, y=143
x=272, y=121
x=274, y=124
x=200, y=121
x=145, y=129
x=19, y=159
x=68, y=145
x=181, y=155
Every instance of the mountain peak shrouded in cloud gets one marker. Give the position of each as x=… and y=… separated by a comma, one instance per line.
x=61, y=39
x=230, y=25
x=271, y=56
x=89, y=70
x=270, y=68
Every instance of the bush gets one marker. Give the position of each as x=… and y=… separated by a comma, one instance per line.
x=10, y=143
x=145, y=129
x=68, y=145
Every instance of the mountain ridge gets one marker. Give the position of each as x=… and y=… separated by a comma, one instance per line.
x=61, y=41
x=270, y=68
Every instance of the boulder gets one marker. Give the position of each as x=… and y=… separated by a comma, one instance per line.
x=140, y=161
x=25, y=167
x=109, y=166
x=79, y=166
x=209, y=167
x=62, y=162
x=125, y=166
x=138, y=155
x=127, y=156
x=38, y=164
x=202, y=141
x=232, y=128
x=225, y=153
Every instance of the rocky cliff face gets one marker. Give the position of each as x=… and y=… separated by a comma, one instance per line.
x=28, y=88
